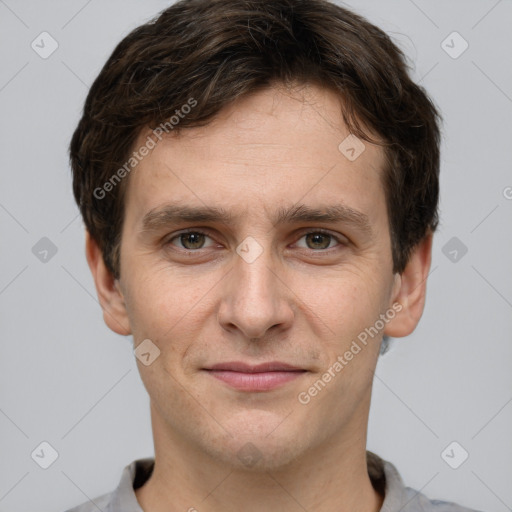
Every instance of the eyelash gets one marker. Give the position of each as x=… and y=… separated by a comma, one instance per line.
x=340, y=241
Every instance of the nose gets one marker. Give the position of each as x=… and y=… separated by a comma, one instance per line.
x=255, y=299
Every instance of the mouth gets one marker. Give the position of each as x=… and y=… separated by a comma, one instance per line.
x=255, y=378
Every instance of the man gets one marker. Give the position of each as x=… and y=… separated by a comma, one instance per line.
x=259, y=183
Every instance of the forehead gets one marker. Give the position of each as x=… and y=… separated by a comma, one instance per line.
x=271, y=148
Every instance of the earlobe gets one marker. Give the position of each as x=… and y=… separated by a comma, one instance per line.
x=411, y=289
x=109, y=292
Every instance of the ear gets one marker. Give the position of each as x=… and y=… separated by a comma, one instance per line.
x=410, y=290
x=108, y=290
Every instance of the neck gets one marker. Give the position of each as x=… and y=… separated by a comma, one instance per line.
x=333, y=477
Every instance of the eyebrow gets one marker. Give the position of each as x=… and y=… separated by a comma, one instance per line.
x=168, y=214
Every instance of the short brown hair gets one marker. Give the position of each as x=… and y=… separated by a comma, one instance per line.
x=216, y=51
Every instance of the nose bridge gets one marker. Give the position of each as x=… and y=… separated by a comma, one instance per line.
x=253, y=275
x=255, y=299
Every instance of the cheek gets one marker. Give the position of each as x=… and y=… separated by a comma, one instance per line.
x=159, y=292
x=351, y=306
x=350, y=302
x=171, y=309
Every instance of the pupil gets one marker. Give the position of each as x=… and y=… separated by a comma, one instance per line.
x=193, y=239
x=317, y=239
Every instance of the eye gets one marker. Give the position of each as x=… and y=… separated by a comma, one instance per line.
x=319, y=240
x=190, y=240
x=195, y=240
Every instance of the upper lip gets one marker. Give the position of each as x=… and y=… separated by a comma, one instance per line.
x=239, y=366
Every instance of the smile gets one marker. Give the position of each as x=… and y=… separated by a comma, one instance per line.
x=263, y=377
x=262, y=381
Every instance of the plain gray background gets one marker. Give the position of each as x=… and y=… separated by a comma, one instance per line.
x=67, y=380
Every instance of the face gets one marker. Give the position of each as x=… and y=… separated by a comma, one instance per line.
x=251, y=241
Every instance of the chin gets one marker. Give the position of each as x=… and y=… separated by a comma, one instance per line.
x=259, y=442
x=258, y=455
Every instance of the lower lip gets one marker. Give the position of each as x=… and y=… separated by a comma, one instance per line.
x=264, y=381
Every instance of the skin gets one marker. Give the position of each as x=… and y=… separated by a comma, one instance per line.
x=302, y=301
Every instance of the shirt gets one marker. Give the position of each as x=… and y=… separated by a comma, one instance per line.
x=383, y=475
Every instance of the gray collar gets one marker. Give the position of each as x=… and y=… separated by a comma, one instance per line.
x=383, y=475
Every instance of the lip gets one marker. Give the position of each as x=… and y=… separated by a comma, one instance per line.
x=260, y=377
x=239, y=366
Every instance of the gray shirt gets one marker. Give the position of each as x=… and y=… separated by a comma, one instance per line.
x=383, y=475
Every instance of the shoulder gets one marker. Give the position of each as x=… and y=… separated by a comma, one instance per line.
x=121, y=499
x=397, y=497
x=99, y=503
x=419, y=502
